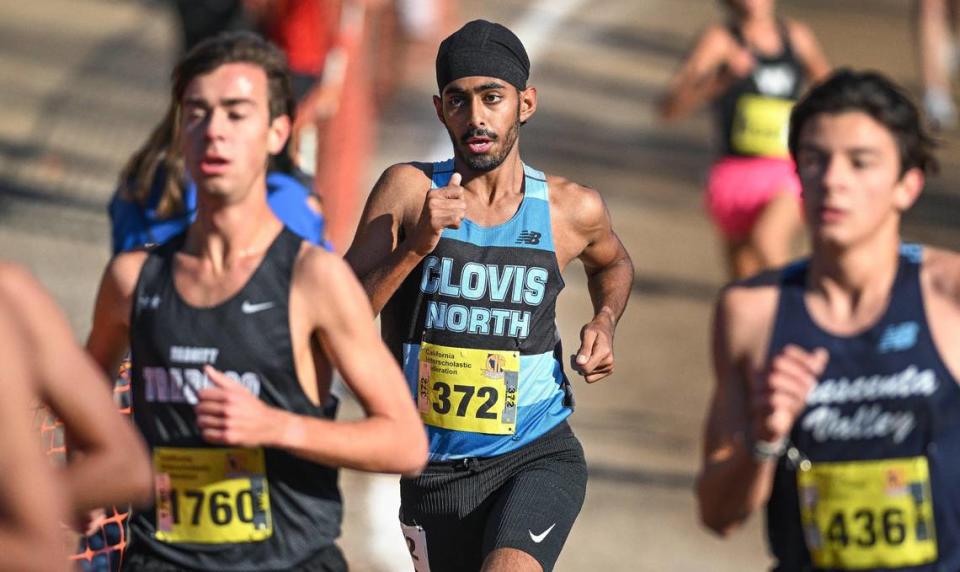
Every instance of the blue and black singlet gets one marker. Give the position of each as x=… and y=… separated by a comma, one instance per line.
x=870, y=480
x=474, y=327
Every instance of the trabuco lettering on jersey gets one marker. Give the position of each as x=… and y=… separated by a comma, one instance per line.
x=182, y=384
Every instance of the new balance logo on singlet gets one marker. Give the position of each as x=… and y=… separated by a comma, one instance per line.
x=529, y=237
x=898, y=337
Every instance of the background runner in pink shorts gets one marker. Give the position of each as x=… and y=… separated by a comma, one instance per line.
x=750, y=69
x=739, y=188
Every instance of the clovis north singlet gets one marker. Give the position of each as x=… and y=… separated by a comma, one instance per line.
x=753, y=115
x=474, y=327
x=870, y=479
x=224, y=508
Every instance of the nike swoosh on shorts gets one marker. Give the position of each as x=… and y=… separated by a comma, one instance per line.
x=538, y=538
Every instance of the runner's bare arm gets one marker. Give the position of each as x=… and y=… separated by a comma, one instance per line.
x=113, y=468
x=808, y=48
x=32, y=504
x=380, y=256
x=390, y=439
x=699, y=79
x=755, y=404
x=609, y=273
x=940, y=278
x=731, y=484
x=109, y=338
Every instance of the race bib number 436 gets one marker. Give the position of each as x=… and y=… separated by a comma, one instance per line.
x=468, y=389
x=868, y=514
x=211, y=496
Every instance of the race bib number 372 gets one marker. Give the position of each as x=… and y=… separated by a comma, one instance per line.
x=468, y=389
x=868, y=514
x=211, y=496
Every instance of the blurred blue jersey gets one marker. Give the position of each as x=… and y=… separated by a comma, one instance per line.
x=133, y=226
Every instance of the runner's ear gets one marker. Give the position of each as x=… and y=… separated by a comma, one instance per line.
x=528, y=103
x=438, y=107
x=908, y=189
x=278, y=134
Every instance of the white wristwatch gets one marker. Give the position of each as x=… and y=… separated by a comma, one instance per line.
x=764, y=451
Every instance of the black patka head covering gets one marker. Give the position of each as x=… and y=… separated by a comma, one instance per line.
x=482, y=48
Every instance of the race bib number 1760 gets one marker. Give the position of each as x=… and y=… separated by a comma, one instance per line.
x=211, y=496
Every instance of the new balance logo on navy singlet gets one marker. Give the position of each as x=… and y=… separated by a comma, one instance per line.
x=898, y=337
x=529, y=237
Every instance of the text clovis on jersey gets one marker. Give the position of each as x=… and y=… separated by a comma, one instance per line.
x=482, y=299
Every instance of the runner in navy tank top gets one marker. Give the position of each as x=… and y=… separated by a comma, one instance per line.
x=234, y=328
x=464, y=258
x=837, y=405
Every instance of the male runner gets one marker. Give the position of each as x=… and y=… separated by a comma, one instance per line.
x=837, y=403
x=234, y=329
x=464, y=257
x=40, y=359
x=32, y=505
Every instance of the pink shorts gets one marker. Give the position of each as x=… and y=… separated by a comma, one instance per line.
x=738, y=188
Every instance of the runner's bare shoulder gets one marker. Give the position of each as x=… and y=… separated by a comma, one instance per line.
x=13, y=279
x=941, y=271
x=321, y=274
x=800, y=33
x=124, y=269
x=406, y=179
x=580, y=207
x=746, y=311
x=400, y=189
x=713, y=42
x=19, y=293
x=22, y=290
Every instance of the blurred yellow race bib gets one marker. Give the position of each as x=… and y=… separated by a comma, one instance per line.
x=468, y=389
x=761, y=125
x=211, y=496
x=868, y=514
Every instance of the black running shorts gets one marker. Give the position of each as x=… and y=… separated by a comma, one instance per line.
x=526, y=499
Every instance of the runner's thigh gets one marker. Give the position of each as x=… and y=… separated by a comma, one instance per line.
x=536, y=509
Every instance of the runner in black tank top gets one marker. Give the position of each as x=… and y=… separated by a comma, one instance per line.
x=837, y=404
x=750, y=70
x=287, y=509
x=775, y=80
x=235, y=328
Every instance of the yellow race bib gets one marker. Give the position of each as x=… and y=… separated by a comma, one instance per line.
x=211, y=496
x=468, y=389
x=761, y=125
x=868, y=514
